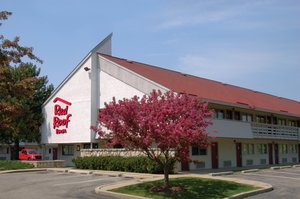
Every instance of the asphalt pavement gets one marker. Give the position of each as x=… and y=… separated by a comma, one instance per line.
x=286, y=182
x=53, y=185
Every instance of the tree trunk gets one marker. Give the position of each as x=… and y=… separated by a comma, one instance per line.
x=166, y=176
x=16, y=149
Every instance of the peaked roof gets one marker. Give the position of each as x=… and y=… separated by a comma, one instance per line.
x=209, y=89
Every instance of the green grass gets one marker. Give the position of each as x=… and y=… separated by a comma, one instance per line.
x=12, y=165
x=195, y=188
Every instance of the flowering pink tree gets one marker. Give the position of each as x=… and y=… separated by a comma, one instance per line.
x=162, y=126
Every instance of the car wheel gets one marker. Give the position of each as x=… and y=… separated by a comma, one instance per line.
x=28, y=159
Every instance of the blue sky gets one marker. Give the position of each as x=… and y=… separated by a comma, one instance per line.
x=252, y=44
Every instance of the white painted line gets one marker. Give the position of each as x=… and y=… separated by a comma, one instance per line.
x=273, y=176
x=80, y=182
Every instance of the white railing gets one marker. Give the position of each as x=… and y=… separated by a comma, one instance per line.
x=275, y=131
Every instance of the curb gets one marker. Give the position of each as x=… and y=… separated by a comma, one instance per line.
x=285, y=167
x=22, y=170
x=104, y=190
x=222, y=173
x=275, y=168
x=250, y=171
x=263, y=187
x=251, y=193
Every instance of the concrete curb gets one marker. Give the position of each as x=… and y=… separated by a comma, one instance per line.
x=250, y=171
x=275, y=168
x=222, y=173
x=104, y=190
x=250, y=193
x=285, y=167
x=263, y=187
x=22, y=170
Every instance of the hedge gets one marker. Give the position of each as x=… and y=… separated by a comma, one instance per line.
x=136, y=164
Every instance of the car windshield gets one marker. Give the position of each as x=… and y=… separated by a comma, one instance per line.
x=32, y=152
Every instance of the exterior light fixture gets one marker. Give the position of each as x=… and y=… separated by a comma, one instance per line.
x=86, y=68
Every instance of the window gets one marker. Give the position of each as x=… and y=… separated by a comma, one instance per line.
x=281, y=122
x=248, y=149
x=292, y=123
x=283, y=148
x=229, y=114
x=260, y=119
x=262, y=149
x=293, y=148
x=86, y=146
x=198, y=151
x=219, y=114
x=4, y=150
x=68, y=150
x=246, y=117
x=237, y=115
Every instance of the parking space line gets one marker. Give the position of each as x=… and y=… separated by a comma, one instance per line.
x=273, y=176
x=69, y=183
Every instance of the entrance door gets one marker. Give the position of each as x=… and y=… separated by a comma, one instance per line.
x=54, y=153
x=214, y=155
x=238, y=147
x=270, y=150
x=276, y=153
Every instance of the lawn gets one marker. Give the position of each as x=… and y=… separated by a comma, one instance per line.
x=12, y=165
x=195, y=188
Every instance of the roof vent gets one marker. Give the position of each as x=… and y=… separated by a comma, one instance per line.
x=242, y=103
x=284, y=111
x=130, y=61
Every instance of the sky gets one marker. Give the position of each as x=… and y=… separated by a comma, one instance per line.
x=252, y=44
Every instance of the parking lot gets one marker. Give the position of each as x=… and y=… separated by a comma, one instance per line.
x=286, y=182
x=52, y=185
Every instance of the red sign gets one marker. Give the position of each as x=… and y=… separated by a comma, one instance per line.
x=61, y=117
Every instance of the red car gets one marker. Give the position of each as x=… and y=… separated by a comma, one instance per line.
x=29, y=154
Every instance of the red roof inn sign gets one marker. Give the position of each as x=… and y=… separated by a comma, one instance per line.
x=61, y=117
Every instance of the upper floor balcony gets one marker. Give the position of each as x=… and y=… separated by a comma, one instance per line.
x=239, y=129
x=275, y=131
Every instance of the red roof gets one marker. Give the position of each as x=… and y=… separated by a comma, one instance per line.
x=209, y=89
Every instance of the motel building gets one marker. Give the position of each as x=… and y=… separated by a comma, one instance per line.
x=253, y=128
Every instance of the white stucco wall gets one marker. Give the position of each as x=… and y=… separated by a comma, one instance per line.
x=76, y=90
x=128, y=77
x=111, y=87
x=230, y=129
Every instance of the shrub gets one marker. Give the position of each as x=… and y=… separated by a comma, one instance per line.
x=13, y=165
x=138, y=164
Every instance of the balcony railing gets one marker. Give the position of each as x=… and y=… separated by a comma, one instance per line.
x=275, y=131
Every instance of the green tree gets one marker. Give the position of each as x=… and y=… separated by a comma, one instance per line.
x=22, y=92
